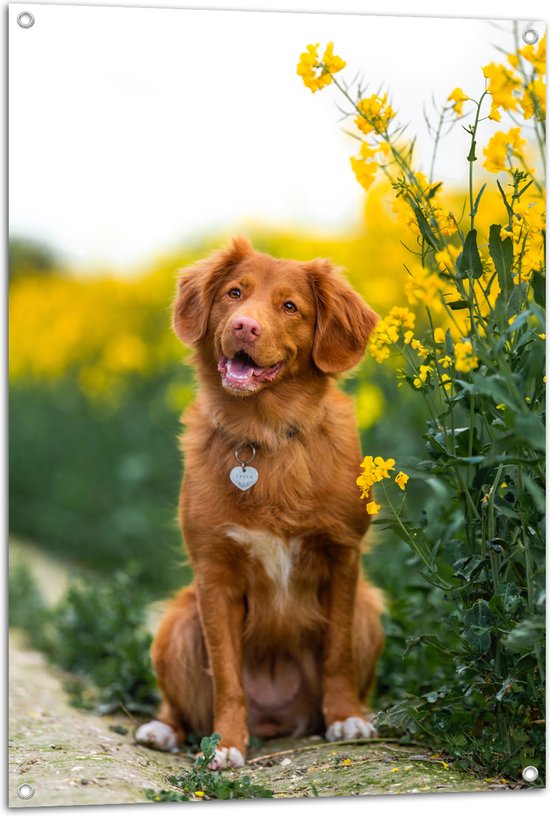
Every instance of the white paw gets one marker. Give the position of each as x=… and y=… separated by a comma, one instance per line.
x=156, y=734
x=226, y=758
x=352, y=728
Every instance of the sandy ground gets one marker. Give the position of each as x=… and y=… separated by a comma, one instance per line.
x=73, y=757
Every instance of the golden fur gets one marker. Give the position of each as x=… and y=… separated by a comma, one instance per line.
x=279, y=633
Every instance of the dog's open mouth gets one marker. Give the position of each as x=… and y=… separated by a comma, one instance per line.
x=242, y=373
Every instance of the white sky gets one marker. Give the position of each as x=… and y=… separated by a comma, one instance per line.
x=133, y=130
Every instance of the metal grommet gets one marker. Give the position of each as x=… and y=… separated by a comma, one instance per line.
x=530, y=773
x=25, y=20
x=25, y=791
x=530, y=36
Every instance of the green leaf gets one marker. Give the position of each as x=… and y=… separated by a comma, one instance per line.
x=455, y=305
x=424, y=227
x=469, y=262
x=502, y=253
x=478, y=621
x=530, y=428
x=509, y=209
x=526, y=634
x=538, y=282
x=478, y=199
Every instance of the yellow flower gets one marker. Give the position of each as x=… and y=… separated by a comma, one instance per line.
x=502, y=84
x=446, y=382
x=445, y=361
x=536, y=56
x=466, y=360
x=445, y=221
x=417, y=346
x=362, y=165
x=387, y=332
x=439, y=336
x=331, y=61
x=502, y=147
x=500, y=407
x=383, y=467
x=446, y=258
x=424, y=288
x=316, y=73
x=375, y=114
x=458, y=97
x=401, y=316
x=533, y=101
x=373, y=508
x=365, y=172
x=401, y=479
x=422, y=378
x=374, y=470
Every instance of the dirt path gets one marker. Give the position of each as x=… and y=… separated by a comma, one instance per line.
x=73, y=757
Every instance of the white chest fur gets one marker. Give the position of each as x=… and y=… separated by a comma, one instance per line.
x=276, y=555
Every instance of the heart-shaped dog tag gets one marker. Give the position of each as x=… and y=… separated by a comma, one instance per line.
x=243, y=478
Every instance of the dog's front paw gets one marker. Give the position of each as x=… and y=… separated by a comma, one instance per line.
x=226, y=758
x=158, y=735
x=351, y=728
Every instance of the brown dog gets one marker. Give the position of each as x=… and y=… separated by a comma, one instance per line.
x=279, y=634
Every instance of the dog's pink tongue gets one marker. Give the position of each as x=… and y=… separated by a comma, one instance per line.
x=239, y=370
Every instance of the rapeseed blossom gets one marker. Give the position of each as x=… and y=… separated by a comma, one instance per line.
x=533, y=101
x=376, y=469
x=465, y=359
x=388, y=331
x=424, y=288
x=375, y=114
x=502, y=84
x=363, y=166
x=317, y=73
x=458, y=98
x=423, y=376
x=536, y=56
x=502, y=147
x=401, y=479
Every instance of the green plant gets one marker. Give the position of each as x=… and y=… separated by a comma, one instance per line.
x=478, y=363
x=200, y=783
x=96, y=633
x=27, y=607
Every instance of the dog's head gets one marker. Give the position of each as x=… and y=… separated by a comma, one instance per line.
x=264, y=319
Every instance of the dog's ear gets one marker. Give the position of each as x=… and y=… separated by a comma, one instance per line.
x=344, y=321
x=197, y=286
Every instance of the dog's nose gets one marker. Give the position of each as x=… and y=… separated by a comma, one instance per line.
x=246, y=328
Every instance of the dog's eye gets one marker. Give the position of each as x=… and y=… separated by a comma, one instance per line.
x=289, y=306
x=234, y=293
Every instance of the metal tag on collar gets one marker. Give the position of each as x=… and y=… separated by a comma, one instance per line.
x=244, y=477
